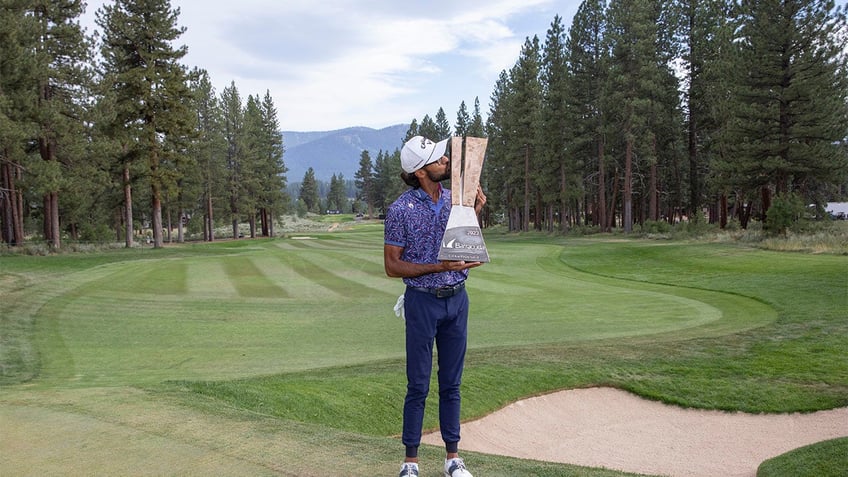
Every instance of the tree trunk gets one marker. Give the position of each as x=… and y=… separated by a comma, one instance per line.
x=128, y=208
x=540, y=213
x=180, y=237
x=628, y=187
x=211, y=218
x=11, y=215
x=525, y=223
x=766, y=194
x=156, y=205
x=169, y=227
x=614, y=199
x=602, y=190
x=563, y=203
x=654, y=206
x=47, y=150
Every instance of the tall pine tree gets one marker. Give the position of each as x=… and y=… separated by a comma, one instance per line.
x=150, y=87
x=792, y=103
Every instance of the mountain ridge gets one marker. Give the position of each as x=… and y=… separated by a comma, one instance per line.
x=337, y=151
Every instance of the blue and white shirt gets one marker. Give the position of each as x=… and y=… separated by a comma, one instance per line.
x=417, y=224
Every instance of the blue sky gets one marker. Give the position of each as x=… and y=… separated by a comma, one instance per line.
x=333, y=64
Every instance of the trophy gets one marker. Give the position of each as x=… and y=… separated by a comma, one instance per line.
x=463, y=239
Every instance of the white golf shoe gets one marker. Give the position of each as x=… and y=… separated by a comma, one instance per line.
x=408, y=469
x=456, y=468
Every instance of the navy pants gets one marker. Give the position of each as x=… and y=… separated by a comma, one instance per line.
x=444, y=321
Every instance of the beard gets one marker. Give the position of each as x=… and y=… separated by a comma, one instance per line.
x=439, y=177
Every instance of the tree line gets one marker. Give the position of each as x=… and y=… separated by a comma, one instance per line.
x=86, y=140
x=648, y=110
x=643, y=110
x=378, y=182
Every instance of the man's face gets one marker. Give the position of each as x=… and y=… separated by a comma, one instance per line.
x=438, y=171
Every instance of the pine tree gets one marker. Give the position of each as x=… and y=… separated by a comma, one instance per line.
x=555, y=167
x=251, y=162
x=428, y=128
x=364, y=180
x=497, y=152
x=210, y=149
x=635, y=84
x=387, y=182
x=700, y=25
x=337, y=197
x=233, y=116
x=587, y=59
x=476, y=128
x=62, y=52
x=720, y=90
x=522, y=121
x=792, y=103
x=18, y=88
x=309, y=191
x=463, y=120
x=273, y=198
x=412, y=131
x=149, y=85
x=443, y=129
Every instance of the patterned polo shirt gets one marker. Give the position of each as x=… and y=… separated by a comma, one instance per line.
x=417, y=224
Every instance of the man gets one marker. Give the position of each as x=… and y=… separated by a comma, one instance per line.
x=435, y=304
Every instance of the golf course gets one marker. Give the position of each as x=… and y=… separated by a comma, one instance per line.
x=284, y=356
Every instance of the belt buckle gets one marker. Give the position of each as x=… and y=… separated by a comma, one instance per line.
x=446, y=292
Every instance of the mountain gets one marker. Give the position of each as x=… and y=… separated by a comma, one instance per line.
x=339, y=151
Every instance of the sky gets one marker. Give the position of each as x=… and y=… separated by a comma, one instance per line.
x=332, y=64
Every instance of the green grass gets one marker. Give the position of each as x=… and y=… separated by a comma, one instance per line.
x=823, y=459
x=299, y=334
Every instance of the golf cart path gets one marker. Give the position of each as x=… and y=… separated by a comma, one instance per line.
x=606, y=427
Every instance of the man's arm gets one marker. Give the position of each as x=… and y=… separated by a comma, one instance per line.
x=398, y=268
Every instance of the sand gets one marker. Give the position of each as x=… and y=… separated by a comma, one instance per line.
x=605, y=427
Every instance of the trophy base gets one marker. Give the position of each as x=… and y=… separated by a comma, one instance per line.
x=463, y=239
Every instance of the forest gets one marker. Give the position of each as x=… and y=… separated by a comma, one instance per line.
x=668, y=111
x=642, y=111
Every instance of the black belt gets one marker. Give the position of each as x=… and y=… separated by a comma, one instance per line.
x=442, y=292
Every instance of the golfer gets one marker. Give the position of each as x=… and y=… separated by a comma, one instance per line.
x=435, y=304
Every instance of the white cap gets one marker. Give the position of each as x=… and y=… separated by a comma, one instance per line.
x=420, y=151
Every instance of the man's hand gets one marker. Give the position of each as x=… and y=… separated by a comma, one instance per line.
x=458, y=265
x=480, y=201
x=398, y=268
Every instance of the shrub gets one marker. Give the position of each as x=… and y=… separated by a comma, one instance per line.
x=786, y=212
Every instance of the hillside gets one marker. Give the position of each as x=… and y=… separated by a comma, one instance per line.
x=334, y=152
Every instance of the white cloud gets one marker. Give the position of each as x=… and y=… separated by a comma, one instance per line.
x=340, y=63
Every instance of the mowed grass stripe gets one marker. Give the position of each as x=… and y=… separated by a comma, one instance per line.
x=284, y=267
x=249, y=280
x=155, y=277
x=207, y=277
x=364, y=270
x=316, y=270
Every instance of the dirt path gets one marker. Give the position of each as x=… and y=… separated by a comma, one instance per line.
x=604, y=427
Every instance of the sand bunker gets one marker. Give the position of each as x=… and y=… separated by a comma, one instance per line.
x=605, y=427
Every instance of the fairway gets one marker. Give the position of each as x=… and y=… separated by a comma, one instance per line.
x=278, y=356
x=293, y=305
